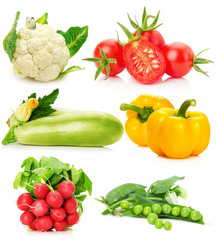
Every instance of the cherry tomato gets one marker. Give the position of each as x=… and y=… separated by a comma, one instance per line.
x=112, y=49
x=144, y=61
x=154, y=37
x=179, y=59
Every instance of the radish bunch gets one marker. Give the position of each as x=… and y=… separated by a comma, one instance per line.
x=50, y=209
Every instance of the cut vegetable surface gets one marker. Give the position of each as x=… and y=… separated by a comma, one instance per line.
x=39, y=52
x=49, y=126
x=143, y=60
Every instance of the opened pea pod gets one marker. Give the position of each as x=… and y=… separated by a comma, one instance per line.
x=35, y=122
x=159, y=201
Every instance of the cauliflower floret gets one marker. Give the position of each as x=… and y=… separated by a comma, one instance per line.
x=40, y=53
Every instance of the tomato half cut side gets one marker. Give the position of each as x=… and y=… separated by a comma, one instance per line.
x=144, y=61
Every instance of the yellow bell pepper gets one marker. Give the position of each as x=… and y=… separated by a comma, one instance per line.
x=138, y=113
x=178, y=133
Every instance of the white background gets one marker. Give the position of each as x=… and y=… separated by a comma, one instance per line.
x=191, y=22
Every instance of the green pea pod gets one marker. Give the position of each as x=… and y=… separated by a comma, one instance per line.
x=129, y=213
x=69, y=128
x=121, y=192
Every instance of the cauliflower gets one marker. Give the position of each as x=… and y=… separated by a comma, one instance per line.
x=40, y=53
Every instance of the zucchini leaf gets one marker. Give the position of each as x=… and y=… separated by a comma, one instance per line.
x=43, y=20
x=9, y=43
x=10, y=136
x=44, y=109
x=74, y=38
x=70, y=69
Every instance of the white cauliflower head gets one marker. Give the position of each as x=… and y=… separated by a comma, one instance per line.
x=40, y=53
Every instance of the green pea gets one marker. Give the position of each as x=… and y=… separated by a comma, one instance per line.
x=159, y=223
x=195, y=215
x=152, y=217
x=176, y=211
x=138, y=209
x=185, y=212
x=125, y=205
x=147, y=210
x=166, y=209
x=156, y=208
x=167, y=225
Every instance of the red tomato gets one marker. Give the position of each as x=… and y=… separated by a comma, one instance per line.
x=179, y=59
x=144, y=61
x=112, y=49
x=153, y=37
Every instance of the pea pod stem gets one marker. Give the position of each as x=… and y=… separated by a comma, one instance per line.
x=184, y=107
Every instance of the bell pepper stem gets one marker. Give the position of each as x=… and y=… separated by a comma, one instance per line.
x=185, y=105
x=143, y=113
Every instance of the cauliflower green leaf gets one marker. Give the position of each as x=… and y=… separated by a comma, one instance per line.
x=43, y=20
x=75, y=37
x=70, y=69
x=9, y=43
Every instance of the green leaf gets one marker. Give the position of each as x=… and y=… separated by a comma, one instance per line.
x=87, y=184
x=17, y=180
x=69, y=70
x=10, y=136
x=80, y=209
x=43, y=20
x=9, y=43
x=75, y=175
x=54, y=165
x=40, y=171
x=74, y=38
x=163, y=186
x=44, y=109
x=55, y=179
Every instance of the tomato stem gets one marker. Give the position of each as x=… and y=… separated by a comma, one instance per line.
x=185, y=105
x=198, y=60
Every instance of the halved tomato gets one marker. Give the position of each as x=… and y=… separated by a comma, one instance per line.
x=144, y=61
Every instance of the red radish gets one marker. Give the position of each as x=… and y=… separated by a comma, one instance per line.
x=54, y=199
x=32, y=226
x=39, y=207
x=27, y=218
x=60, y=226
x=58, y=214
x=67, y=189
x=72, y=219
x=41, y=190
x=24, y=202
x=70, y=205
x=44, y=223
